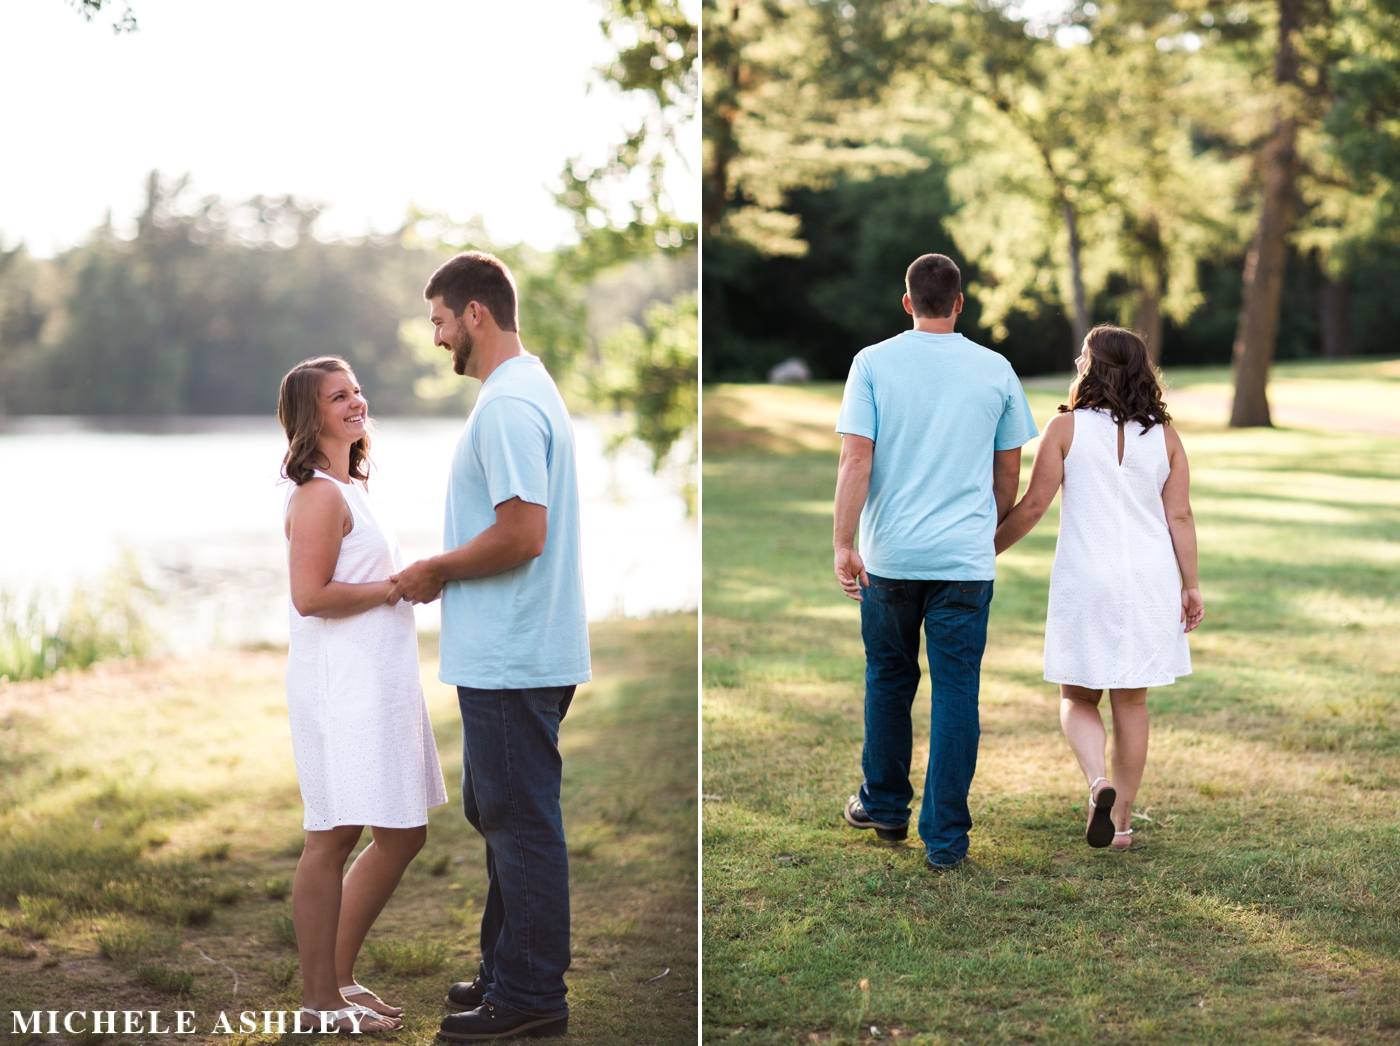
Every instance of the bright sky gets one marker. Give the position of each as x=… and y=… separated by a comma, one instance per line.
x=465, y=106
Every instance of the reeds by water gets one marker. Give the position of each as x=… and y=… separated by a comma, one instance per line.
x=95, y=624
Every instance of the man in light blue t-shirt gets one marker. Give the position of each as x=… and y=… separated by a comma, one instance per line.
x=514, y=642
x=932, y=427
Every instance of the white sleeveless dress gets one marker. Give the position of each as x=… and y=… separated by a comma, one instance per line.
x=360, y=731
x=1114, y=619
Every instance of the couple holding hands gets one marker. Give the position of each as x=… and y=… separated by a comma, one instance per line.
x=932, y=427
x=514, y=642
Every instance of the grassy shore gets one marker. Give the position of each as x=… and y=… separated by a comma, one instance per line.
x=1259, y=905
x=150, y=824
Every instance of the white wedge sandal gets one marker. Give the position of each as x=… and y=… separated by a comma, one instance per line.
x=325, y=1021
x=360, y=989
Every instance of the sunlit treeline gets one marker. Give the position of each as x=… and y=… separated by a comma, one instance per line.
x=1219, y=173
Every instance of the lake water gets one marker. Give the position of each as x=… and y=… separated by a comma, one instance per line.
x=197, y=504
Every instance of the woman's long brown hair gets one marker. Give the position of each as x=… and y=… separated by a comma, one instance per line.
x=299, y=411
x=1118, y=379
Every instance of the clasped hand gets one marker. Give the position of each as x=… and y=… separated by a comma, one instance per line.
x=418, y=582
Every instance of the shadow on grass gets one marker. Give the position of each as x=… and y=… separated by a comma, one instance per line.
x=183, y=894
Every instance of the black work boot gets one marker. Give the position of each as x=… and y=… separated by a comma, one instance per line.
x=488, y=1021
x=468, y=995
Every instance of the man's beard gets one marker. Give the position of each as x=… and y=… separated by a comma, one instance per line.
x=462, y=352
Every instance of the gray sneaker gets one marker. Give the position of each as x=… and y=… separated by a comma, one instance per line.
x=856, y=817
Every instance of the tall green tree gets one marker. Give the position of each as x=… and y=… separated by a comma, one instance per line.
x=1295, y=84
x=1325, y=166
x=622, y=207
x=1078, y=156
x=795, y=98
x=651, y=371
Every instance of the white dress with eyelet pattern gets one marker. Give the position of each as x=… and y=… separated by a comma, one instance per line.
x=363, y=743
x=1114, y=619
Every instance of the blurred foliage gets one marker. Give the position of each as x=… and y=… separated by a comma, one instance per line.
x=203, y=310
x=38, y=638
x=657, y=58
x=125, y=22
x=791, y=101
x=1108, y=154
x=653, y=371
x=650, y=370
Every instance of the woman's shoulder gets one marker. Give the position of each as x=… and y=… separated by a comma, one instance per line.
x=317, y=492
x=1059, y=428
x=1062, y=420
x=1172, y=438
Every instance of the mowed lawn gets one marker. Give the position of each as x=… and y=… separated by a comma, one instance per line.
x=1261, y=903
x=150, y=824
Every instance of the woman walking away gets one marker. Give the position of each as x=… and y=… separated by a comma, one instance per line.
x=1123, y=590
x=364, y=747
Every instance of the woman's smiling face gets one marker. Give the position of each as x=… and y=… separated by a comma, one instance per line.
x=344, y=411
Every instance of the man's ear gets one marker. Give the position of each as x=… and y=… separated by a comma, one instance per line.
x=908, y=305
x=958, y=304
x=479, y=314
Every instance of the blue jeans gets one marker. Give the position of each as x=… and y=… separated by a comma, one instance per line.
x=954, y=617
x=511, y=773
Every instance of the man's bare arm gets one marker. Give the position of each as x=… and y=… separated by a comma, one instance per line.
x=517, y=536
x=1006, y=479
x=852, y=487
x=1046, y=476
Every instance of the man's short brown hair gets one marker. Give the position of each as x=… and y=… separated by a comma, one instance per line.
x=475, y=276
x=934, y=283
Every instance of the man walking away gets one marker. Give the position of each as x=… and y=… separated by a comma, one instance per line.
x=932, y=427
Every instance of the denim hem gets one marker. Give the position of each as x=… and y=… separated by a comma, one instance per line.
x=945, y=867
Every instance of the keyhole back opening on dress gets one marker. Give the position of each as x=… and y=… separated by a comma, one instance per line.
x=1120, y=443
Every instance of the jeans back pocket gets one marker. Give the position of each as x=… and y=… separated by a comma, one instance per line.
x=886, y=592
x=968, y=595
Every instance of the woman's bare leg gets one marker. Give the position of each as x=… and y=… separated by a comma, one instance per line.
x=1129, y=752
x=316, y=912
x=368, y=886
x=1083, y=727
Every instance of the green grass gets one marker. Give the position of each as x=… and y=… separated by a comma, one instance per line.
x=409, y=958
x=150, y=824
x=1261, y=906
x=168, y=980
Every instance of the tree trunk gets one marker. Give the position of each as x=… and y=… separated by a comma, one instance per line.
x=1147, y=316
x=1147, y=320
x=719, y=129
x=1081, y=311
x=1333, y=304
x=1268, y=254
x=1263, y=281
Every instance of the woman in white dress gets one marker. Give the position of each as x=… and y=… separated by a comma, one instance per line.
x=363, y=744
x=1123, y=590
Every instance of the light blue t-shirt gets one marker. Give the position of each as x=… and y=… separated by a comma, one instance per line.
x=937, y=407
x=525, y=627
